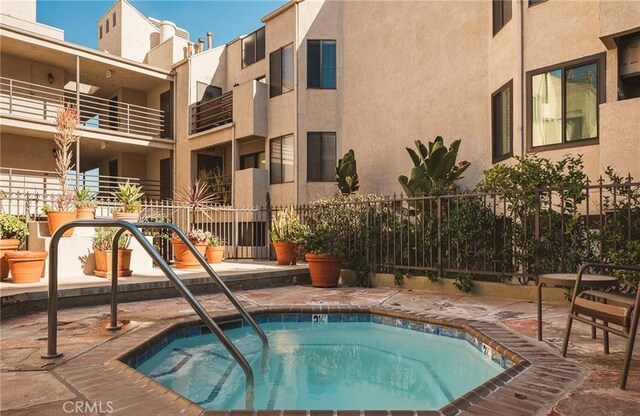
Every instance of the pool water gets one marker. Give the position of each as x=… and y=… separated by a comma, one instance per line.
x=331, y=365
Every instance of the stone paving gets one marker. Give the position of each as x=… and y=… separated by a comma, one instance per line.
x=33, y=386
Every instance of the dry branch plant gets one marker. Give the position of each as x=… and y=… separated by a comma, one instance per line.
x=67, y=134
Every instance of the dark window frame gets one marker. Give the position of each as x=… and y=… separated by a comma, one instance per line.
x=243, y=64
x=100, y=31
x=271, y=141
x=335, y=159
x=601, y=60
x=499, y=18
x=255, y=156
x=280, y=52
x=113, y=18
x=509, y=154
x=336, y=59
x=106, y=22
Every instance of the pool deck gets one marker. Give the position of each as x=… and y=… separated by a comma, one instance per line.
x=33, y=386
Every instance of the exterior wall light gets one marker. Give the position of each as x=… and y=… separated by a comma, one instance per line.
x=50, y=78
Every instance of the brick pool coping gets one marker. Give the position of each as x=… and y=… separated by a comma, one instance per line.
x=535, y=382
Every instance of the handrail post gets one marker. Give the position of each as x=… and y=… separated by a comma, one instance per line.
x=10, y=96
x=128, y=116
x=113, y=323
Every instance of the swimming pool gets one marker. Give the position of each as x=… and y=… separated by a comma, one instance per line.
x=325, y=361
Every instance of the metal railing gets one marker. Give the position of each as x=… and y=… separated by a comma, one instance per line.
x=213, y=113
x=34, y=101
x=29, y=181
x=134, y=230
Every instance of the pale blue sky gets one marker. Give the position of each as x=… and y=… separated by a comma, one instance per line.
x=226, y=19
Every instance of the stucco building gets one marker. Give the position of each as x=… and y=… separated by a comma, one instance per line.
x=272, y=111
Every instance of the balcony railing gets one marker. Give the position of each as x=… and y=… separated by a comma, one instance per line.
x=25, y=99
x=213, y=113
x=26, y=181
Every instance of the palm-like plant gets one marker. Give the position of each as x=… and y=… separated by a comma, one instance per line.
x=130, y=195
x=197, y=196
x=435, y=170
x=347, y=174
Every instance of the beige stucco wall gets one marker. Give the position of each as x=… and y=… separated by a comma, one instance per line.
x=618, y=18
x=39, y=156
x=620, y=137
x=23, y=9
x=112, y=42
x=31, y=71
x=167, y=53
x=402, y=83
x=250, y=109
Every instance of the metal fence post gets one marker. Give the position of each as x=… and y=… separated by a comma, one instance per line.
x=537, y=232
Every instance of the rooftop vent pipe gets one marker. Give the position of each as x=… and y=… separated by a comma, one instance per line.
x=201, y=43
x=209, y=40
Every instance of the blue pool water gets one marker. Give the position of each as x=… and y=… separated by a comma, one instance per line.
x=334, y=365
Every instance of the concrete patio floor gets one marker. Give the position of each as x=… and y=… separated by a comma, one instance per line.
x=29, y=387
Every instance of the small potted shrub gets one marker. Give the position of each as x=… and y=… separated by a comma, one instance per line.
x=323, y=255
x=129, y=195
x=61, y=211
x=85, y=204
x=184, y=257
x=286, y=235
x=13, y=231
x=215, y=249
x=103, y=251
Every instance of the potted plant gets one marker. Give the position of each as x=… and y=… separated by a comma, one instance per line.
x=85, y=204
x=63, y=207
x=13, y=232
x=215, y=249
x=197, y=197
x=323, y=255
x=61, y=211
x=286, y=235
x=184, y=257
x=26, y=266
x=103, y=251
x=129, y=195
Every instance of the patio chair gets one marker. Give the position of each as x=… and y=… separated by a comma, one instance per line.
x=621, y=310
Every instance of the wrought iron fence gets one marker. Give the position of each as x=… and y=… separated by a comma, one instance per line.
x=484, y=236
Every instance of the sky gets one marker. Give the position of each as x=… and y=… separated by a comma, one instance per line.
x=226, y=19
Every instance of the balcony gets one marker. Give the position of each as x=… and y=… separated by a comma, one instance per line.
x=211, y=114
x=25, y=100
x=38, y=182
x=245, y=106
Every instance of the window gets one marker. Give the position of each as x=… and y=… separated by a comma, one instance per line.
x=563, y=102
x=253, y=160
x=253, y=46
x=281, y=159
x=502, y=122
x=113, y=19
x=100, y=31
x=628, y=66
x=107, y=25
x=534, y=2
x=321, y=157
x=321, y=64
x=501, y=14
x=281, y=71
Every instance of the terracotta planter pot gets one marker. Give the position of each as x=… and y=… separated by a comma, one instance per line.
x=57, y=218
x=285, y=253
x=103, y=262
x=26, y=266
x=127, y=216
x=184, y=258
x=86, y=213
x=8, y=244
x=214, y=254
x=324, y=269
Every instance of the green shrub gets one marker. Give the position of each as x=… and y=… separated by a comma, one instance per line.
x=12, y=227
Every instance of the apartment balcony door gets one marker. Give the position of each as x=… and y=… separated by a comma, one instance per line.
x=166, y=178
x=167, y=108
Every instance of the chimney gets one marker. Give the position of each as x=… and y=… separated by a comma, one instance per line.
x=189, y=48
x=201, y=43
x=209, y=40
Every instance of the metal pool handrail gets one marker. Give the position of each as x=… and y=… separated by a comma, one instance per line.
x=169, y=273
